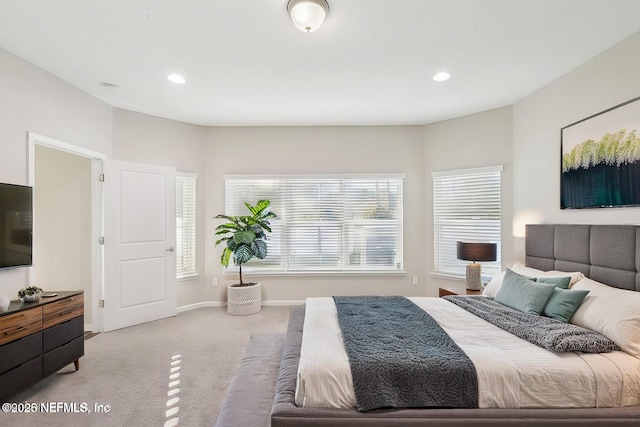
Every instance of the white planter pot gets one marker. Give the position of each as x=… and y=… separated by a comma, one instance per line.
x=243, y=300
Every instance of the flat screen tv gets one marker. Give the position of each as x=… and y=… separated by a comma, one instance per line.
x=16, y=225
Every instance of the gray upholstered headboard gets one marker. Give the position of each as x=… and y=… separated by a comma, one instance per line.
x=608, y=254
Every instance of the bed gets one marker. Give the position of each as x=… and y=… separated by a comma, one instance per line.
x=607, y=254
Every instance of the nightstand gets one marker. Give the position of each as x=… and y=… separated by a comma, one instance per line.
x=456, y=289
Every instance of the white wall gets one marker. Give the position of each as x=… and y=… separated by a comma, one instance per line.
x=62, y=223
x=153, y=140
x=476, y=140
x=34, y=100
x=607, y=80
x=319, y=150
x=525, y=138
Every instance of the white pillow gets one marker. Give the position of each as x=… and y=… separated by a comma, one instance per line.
x=613, y=312
x=534, y=272
x=493, y=286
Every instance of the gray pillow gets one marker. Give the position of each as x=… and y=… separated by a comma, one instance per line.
x=563, y=303
x=523, y=294
x=560, y=282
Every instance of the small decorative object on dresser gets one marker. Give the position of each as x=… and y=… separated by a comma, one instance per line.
x=30, y=294
x=245, y=237
x=4, y=302
x=475, y=252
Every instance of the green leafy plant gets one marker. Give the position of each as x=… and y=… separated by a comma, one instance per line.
x=245, y=236
x=31, y=293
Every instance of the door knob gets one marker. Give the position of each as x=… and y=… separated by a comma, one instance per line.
x=170, y=250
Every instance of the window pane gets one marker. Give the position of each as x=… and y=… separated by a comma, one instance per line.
x=185, y=226
x=314, y=245
x=467, y=207
x=326, y=223
x=373, y=245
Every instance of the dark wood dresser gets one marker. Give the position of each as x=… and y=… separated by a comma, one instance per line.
x=39, y=338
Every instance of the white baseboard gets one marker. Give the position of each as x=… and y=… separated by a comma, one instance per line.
x=88, y=327
x=272, y=303
x=197, y=305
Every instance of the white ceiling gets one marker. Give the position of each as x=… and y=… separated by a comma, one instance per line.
x=371, y=63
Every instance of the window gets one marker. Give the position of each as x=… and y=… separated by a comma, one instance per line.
x=186, y=225
x=466, y=207
x=326, y=223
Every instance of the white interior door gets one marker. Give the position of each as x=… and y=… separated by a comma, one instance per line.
x=139, y=241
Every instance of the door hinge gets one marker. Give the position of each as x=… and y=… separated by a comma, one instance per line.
x=101, y=177
x=101, y=303
x=101, y=240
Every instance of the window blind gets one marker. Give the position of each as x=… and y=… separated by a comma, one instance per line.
x=466, y=207
x=185, y=225
x=326, y=223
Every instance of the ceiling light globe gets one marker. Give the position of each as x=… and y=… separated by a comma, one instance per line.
x=308, y=15
x=442, y=76
x=176, y=78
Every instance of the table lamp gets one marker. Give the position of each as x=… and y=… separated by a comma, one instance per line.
x=475, y=252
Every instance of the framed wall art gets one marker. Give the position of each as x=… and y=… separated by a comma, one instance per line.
x=601, y=159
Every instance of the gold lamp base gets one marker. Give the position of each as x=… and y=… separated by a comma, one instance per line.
x=474, y=282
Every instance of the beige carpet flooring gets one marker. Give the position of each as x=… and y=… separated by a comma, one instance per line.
x=129, y=370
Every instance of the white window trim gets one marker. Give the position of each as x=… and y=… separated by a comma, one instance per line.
x=320, y=176
x=232, y=272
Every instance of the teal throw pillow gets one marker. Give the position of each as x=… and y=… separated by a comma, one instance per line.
x=563, y=303
x=523, y=294
x=561, y=282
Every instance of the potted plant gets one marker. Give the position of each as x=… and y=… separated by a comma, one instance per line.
x=30, y=294
x=245, y=238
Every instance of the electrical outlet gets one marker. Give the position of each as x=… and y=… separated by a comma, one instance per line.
x=215, y=281
x=415, y=281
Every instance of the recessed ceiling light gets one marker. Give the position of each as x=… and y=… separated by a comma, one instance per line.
x=442, y=76
x=176, y=78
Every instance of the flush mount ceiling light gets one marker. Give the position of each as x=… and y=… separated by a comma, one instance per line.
x=308, y=15
x=440, y=77
x=176, y=78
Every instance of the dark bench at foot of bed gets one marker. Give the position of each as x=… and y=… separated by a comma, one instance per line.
x=286, y=414
x=250, y=395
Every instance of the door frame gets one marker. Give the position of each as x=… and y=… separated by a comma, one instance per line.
x=97, y=282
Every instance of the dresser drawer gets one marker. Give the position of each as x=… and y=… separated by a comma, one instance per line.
x=63, y=305
x=19, y=378
x=20, y=324
x=62, y=333
x=63, y=310
x=19, y=351
x=60, y=357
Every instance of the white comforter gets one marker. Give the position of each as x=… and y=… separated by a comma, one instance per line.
x=512, y=373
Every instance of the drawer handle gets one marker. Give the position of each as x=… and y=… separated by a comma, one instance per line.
x=15, y=330
x=65, y=313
